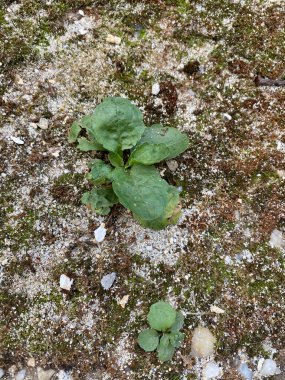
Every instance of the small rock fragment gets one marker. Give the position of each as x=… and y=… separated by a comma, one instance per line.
x=155, y=89
x=123, y=301
x=216, y=309
x=100, y=233
x=65, y=282
x=108, y=280
x=113, y=39
x=276, y=239
x=43, y=123
x=20, y=375
x=17, y=140
x=269, y=368
x=2, y=372
x=245, y=372
x=211, y=370
x=31, y=362
x=63, y=375
x=45, y=374
x=281, y=173
x=202, y=342
x=172, y=165
x=81, y=12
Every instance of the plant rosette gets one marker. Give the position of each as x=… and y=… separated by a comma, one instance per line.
x=130, y=178
x=164, y=334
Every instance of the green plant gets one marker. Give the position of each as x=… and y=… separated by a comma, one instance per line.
x=164, y=335
x=117, y=127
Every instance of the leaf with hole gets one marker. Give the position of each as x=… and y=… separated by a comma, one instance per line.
x=100, y=200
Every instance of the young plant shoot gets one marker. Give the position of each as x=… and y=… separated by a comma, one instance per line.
x=164, y=335
x=117, y=127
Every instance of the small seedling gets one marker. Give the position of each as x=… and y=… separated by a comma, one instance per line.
x=164, y=335
x=117, y=127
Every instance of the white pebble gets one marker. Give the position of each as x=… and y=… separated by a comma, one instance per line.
x=211, y=370
x=31, y=362
x=100, y=233
x=62, y=375
x=108, y=280
x=81, y=12
x=65, y=282
x=245, y=372
x=113, y=39
x=172, y=165
x=17, y=140
x=276, y=239
x=216, y=309
x=155, y=89
x=269, y=368
x=43, y=123
x=2, y=372
x=202, y=342
x=20, y=375
x=45, y=374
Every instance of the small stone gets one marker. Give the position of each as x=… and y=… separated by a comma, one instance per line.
x=20, y=375
x=17, y=140
x=202, y=342
x=108, y=280
x=113, y=39
x=81, y=12
x=216, y=309
x=269, y=368
x=62, y=375
x=245, y=372
x=43, y=123
x=2, y=372
x=31, y=362
x=172, y=165
x=211, y=370
x=122, y=302
x=276, y=239
x=65, y=282
x=281, y=173
x=155, y=89
x=100, y=233
x=45, y=374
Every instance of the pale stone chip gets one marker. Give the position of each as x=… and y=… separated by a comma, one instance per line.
x=216, y=309
x=122, y=302
x=113, y=39
x=202, y=342
x=100, y=233
x=65, y=282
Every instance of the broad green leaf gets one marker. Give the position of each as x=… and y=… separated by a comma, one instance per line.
x=165, y=349
x=172, y=138
x=117, y=124
x=148, y=340
x=176, y=339
x=179, y=322
x=143, y=191
x=74, y=132
x=161, y=316
x=100, y=172
x=116, y=159
x=86, y=145
x=171, y=214
x=148, y=154
x=100, y=200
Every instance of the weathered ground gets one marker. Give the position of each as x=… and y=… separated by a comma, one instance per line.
x=57, y=65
